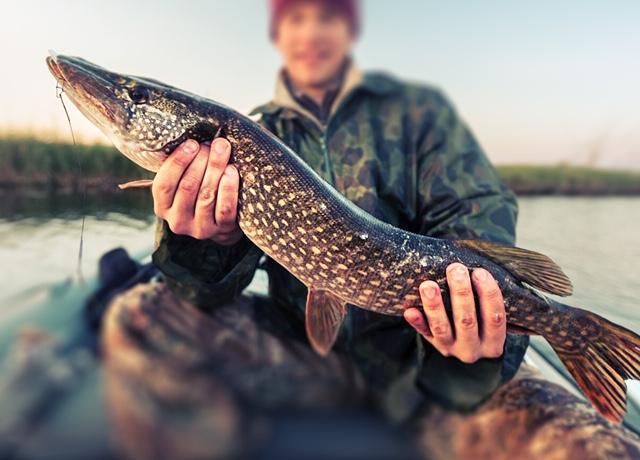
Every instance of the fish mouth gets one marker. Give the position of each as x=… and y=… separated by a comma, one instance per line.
x=95, y=92
x=53, y=66
x=90, y=89
x=104, y=98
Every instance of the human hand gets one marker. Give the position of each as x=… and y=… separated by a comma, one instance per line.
x=462, y=338
x=196, y=192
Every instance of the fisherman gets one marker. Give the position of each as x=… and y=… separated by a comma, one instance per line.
x=396, y=149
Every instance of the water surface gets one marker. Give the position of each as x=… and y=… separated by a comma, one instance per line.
x=595, y=240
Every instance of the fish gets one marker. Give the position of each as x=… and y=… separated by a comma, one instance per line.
x=342, y=254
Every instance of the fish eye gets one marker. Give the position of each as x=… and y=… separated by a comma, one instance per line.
x=139, y=94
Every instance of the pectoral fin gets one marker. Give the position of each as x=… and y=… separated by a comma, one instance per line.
x=142, y=183
x=324, y=316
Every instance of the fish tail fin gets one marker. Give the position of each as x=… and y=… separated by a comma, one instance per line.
x=600, y=359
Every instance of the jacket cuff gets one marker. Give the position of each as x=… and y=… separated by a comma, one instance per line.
x=203, y=272
x=455, y=384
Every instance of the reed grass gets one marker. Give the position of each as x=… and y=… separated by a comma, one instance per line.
x=34, y=163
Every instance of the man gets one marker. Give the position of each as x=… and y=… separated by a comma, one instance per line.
x=400, y=152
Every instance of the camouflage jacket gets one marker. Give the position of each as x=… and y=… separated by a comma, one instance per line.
x=401, y=153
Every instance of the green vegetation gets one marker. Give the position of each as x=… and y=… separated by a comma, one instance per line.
x=569, y=180
x=58, y=166
x=35, y=164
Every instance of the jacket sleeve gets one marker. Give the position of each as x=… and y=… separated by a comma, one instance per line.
x=203, y=272
x=460, y=195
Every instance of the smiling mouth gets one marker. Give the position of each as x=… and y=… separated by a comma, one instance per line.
x=312, y=58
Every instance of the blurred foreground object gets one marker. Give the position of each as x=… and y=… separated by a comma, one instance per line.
x=528, y=418
x=217, y=372
x=193, y=385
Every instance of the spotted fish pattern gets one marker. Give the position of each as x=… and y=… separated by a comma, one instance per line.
x=309, y=229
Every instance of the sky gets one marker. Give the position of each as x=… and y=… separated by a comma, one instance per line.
x=537, y=82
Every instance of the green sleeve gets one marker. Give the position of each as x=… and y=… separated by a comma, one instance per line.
x=460, y=195
x=204, y=272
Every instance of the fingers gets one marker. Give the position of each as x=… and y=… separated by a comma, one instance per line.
x=189, y=187
x=464, y=310
x=227, y=202
x=205, y=203
x=416, y=319
x=492, y=313
x=462, y=337
x=166, y=181
x=196, y=192
x=438, y=321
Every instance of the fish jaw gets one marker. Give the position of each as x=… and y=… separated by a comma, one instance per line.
x=96, y=99
x=138, y=130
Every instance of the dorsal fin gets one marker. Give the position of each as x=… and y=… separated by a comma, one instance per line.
x=531, y=267
x=324, y=316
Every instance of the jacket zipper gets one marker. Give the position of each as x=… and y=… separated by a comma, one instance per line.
x=324, y=129
x=327, y=159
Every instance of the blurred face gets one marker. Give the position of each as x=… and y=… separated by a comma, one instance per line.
x=314, y=38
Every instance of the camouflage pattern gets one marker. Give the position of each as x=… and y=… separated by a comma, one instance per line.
x=400, y=152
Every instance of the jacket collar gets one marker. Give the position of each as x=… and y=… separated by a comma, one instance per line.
x=354, y=80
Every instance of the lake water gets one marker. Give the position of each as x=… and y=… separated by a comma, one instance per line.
x=40, y=237
x=596, y=241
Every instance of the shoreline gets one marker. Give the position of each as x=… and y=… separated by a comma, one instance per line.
x=29, y=165
x=108, y=186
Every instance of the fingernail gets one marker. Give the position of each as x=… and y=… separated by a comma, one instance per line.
x=460, y=272
x=480, y=274
x=220, y=147
x=429, y=291
x=190, y=146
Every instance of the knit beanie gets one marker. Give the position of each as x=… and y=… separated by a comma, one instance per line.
x=349, y=8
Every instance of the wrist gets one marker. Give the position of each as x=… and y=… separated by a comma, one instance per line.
x=228, y=239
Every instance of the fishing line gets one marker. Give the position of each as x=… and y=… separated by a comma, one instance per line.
x=59, y=91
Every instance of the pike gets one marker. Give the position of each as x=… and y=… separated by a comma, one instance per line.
x=342, y=254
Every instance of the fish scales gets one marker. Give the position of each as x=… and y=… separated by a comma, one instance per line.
x=342, y=254
x=287, y=210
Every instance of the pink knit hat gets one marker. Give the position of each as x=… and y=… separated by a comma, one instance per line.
x=350, y=8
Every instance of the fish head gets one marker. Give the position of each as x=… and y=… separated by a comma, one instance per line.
x=144, y=118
